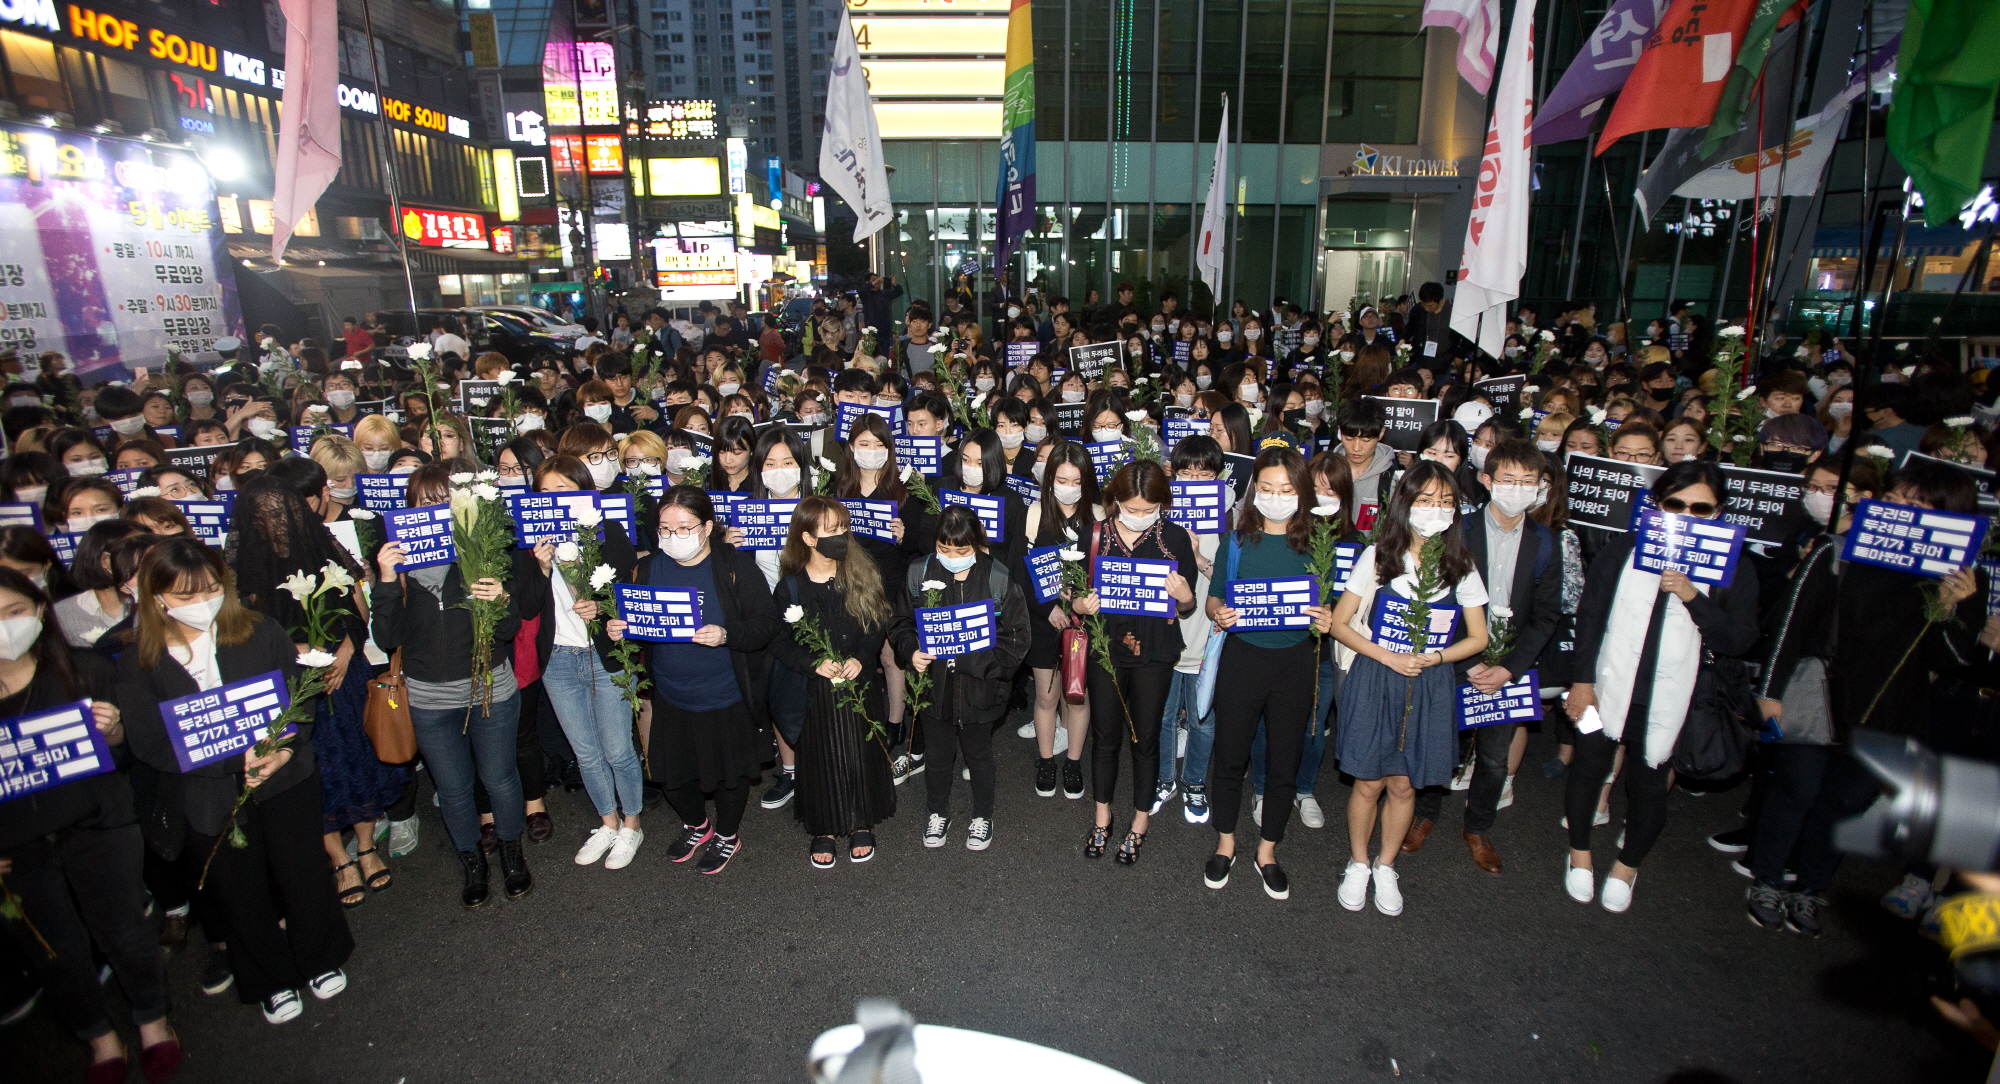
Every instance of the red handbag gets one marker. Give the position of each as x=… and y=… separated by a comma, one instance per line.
x=1076, y=649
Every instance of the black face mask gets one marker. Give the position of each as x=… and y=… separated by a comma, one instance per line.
x=1295, y=417
x=833, y=547
x=1661, y=394
x=1788, y=462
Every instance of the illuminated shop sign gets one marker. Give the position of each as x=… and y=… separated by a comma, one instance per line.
x=444, y=229
x=673, y=120
x=40, y=13
x=417, y=116
x=602, y=154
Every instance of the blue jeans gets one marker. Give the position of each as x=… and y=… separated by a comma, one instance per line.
x=1315, y=751
x=598, y=723
x=1201, y=732
x=453, y=742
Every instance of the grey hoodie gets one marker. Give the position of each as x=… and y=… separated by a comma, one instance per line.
x=1368, y=483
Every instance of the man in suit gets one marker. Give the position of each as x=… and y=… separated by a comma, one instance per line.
x=1521, y=566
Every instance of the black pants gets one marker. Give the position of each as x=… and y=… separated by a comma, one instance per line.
x=943, y=739
x=1144, y=689
x=1273, y=686
x=529, y=757
x=692, y=804
x=281, y=876
x=86, y=887
x=1845, y=789
x=1490, y=745
x=1645, y=795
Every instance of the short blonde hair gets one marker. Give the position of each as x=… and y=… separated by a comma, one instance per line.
x=642, y=443
x=375, y=425
x=338, y=455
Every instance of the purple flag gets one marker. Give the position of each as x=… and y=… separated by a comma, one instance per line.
x=1599, y=70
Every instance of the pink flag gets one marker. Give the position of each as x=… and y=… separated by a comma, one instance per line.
x=1478, y=26
x=1496, y=236
x=309, y=133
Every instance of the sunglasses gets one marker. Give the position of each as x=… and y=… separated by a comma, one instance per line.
x=1679, y=507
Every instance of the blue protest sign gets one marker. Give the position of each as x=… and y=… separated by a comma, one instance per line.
x=65, y=546
x=1025, y=486
x=1183, y=348
x=1108, y=456
x=659, y=614
x=1175, y=428
x=617, y=508
x=1199, y=506
x=1132, y=585
x=956, y=630
x=764, y=523
x=103, y=433
x=772, y=374
x=225, y=721
x=550, y=517
x=845, y=415
x=20, y=514
x=49, y=748
x=1345, y=554
x=1705, y=549
x=424, y=533
x=1915, y=540
x=1992, y=586
x=870, y=519
x=1518, y=701
x=207, y=521
x=1271, y=604
x=992, y=510
x=1386, y=625
x=1019, y=354
x=125, y=480
x=923, y=453
x=725, y=502
x=1045, y=572
x=382, y=492
x=302, y=435
x=171, y=432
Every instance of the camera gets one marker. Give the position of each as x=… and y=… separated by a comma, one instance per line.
x=1943, y=810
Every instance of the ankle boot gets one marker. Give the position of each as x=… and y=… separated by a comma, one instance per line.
x=518, y=881
x=475, y=891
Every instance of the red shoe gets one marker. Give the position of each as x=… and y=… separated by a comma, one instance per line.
x=161, y=1060
x=110, y=1071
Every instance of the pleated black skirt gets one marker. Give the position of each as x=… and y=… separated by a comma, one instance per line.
x=717, y=749
x=844, y=781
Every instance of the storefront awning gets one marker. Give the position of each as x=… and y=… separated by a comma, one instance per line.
x=1833, y=241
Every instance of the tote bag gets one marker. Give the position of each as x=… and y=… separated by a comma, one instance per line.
x=387, y=717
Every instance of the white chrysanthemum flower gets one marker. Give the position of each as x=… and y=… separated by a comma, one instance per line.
x=1142, y=380
x=489, y=476
x=793, y=614
x=908, y=469
x=1502, y=612
x=418, y=351
x=1070, y=553
x=1596, y=415
x=300, y=586
x=360, y=513
x=870, y=329
x=486, y=491
x=588, y=517
x=566, y=552
x=506, y=376
x=1733, y=331
x=313, y=660
x=827, y=465
x=933, y=585
x=144, y=491
x=1959, y=422
x=1136, y=415
x=835, y=681
x=937, y=348
x=1527, y=412
x=600, y=576
x=1548, y=336
x=1746, y=393
x=463, y=477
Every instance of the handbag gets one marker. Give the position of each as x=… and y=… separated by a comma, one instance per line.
x=387, y=717
x=1211, y=652
x=1715, y=739
x=1076, y=647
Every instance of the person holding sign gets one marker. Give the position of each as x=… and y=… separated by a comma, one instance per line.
x=1260, y=669
x=1641, y=638
x=1067, y=513
x=1127, y=703
x=1398, y=710
x=708, y=692
x=870, y=472
x=286, y=930
x=73, y=853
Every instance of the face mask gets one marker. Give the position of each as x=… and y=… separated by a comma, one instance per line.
x=1788, y=462
x=200, y=398
x=346, y=494
x=528, y=423
x=31, y=494
x=1477, y=454
x=958, y=564
x=984, y=383
x=1036, y=433
x=677, y=460
x=261, y=427
x=598, y=412
x=1326, y=506
x=80, y=524
x=1347, y=355
x=1429, y=521
x=1249, y=393
x=24, y=401
x=728, y=390
x=971, y=477
x=126, y=427
x=199, y=615
x=375, y=460
x=1106, y=436
x=1252, y=334
x=1013, y=311
x=1513, y=351
x=1839, y=379
x=781, y=480
x=1202, y=381
x=1068, y=494
x=871, y=458
x=1548, y=446
x=1277, y=506
x=1136, y=524
x=678, y=548
x=1223, y=337
x=833, y=547
x=1010, y=441
x=1072, y=395
x=18, y=635
x=1839, y=410
x=603, y=474
x=340, y=400
x=89, y=468
x=408, y=468
x=1820, y=507
x=1513, y=500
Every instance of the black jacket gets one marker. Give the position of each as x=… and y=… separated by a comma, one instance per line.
x=1536, y=601
x=1880, y=618
x=436, y=638
x=975, y=687
x=1727, y=618
x=1800, y=624
x=96, y=802
x=748, y=616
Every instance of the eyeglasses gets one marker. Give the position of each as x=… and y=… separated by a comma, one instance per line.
x=643, y=461
x=682, y=532
x=1681, y=507
x=513, y=472
x=1828, y=489
x=598, y=459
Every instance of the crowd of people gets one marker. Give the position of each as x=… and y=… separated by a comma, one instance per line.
x=809, y=685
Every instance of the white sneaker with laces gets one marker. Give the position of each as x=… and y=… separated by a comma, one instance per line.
x=1506, y=794
x=282, y=1007
x=328, y=985
x=1617, y=895
x=1353, y=893
x=1310, y=814
x=599, y=841
x=979, y=834
x=1388, y=893
x=1025, y=730
x=623, y=847
x=934, y=830
x=1581, y=884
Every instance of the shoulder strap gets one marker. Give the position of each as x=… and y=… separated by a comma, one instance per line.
x=914, y=577
x=1235, y=552
x=996, y=580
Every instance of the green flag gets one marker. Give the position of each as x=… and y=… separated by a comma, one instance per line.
x=1737, y=92
x=1947, y=72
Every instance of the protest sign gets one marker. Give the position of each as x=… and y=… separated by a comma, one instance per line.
x=225, y=721
x=1387, y=624
x=1910, y=539
x=547, y=517
x=1706, y=550
x=992, y=510
x=207, y=521
x=764, y=523
x=846, y=414
x=922, y=453
x=1518, y=701
x=45, y=749
x=425, y=535
x=1769, y=505
x=1603, y=492
x=1405, y=420
x=659, y=614
x=382, y=492
x=870, y=519
x=1045, y=572
x=948, y=631
x=1199, y=506
x=1091, y=359
x=1132, y=585
x=1271, y=604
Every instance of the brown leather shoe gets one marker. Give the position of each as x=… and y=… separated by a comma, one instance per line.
x=541, y=828
x=1419, y=832
x=1483, y=854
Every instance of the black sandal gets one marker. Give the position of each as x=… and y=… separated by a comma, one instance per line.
x=1099, y=838
x=359, y=892
x=1128, y=851
x=821, y=845
x=383, y=875
x=855, y=843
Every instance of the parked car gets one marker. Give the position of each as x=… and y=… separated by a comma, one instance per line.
x=502, y=332
x=543, y=319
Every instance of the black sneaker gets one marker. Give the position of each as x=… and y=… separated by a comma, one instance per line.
x=1216, y=873
x=780, y=792
x=690, y=840
x=1194, y=803
x=1045, y=776
x=1072, y=778
x=720, y=850
x=215, y=974
x=1766, y=906
x=907, y=767
x=1276, y=884
x=1802, y=913
x=934, y=830
x=1734, y=841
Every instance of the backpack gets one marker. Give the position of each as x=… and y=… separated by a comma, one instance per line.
x=996, y=580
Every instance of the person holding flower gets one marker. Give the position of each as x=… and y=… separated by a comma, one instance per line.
x=837, y=616
x=286, y=932
x=1066, y=514
x=1398, y=708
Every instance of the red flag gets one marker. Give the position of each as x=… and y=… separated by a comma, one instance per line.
x=309, y=125
x=1679, y=78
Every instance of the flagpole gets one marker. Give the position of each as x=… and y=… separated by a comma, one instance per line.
x=1729, y=261
x=389, y=158
x=1631, y=224
x=1870, y=215
x=1576, y=233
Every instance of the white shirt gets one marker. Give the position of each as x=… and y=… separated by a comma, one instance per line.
x=570, y=629
x=1471, y=590
x=454, y=343
x=84, y=622
x=198, y=659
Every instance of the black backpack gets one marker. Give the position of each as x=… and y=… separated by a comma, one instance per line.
x=996, y=580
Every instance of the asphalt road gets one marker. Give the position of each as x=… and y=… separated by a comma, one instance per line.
x=654, y=973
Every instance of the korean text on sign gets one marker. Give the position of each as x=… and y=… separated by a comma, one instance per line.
x=302, y=435
x=1345, y=554
x=1132, y=585
x=1199, y=506
x=923, y=453
x=992, y=510
x=764, y=523
x=1026, y=487
x=1515, y=702
x=1175, y=428
x=662, y=614
x=1107, y=456
x=846, y=414
x=1271, y=604
x=1387, y=625
x=871, y=519
x=425, y=535
x=956, y=630
x=20, y=514
x=225, y=721
x=1405, y=420
x=1019, y=354
x=207, y=520
x=1706, y=550
x=547, y=517
x=1916, y=540
x=50, y=748
x=1045, y=571
x=725, y=502
x=382, y=492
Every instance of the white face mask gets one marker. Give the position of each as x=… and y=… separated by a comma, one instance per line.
x=226, y=482
x=375, y=460
x=261, y=427
x=1224, y=336
x=677, y=460
x=1307, y=342
x=31, y=494
x=199, y=615
x=1429, y=521
x=871, y=458
x=1820, y=507
x=1036, y=433
x=1011, y=441
x=1137, y=523
x=1329, y=506
x=1013, y=311
x=528, y=423
x=126, y=427
x=1249, y=393
x=1513, y=500
x=1072, y=395
x=1548, y=446
x=1347, y=355
x=200, y=398
x=18, y=636
x=25, y=401
x=678, y=548
x=603, y=474
x=1106, y=436
x=728, y=390
x=1277, y=506
x=1035, y=471
x=1839, y=410
x=598, y=412
x=781, y=480
x=1068, y=494
x=340, y=494
x=1478, y=455
x=89, y=468
x=971, y=477
x=1202, y=381
x=984, y=383
x=340, y=400
x=1315, y=407
x=1252, y=334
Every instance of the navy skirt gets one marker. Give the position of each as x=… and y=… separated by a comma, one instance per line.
x=1377, y=739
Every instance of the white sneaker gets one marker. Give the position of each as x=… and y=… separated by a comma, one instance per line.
x=934, y=830
x=1463, y=780
x=1388, y=895
x=1581, y=884
x=1061, y=744
x=600, y=840
x=624, y=847
x=979, y=834
x=1257, y=811
x=1353, y=893
x=1617, y=897
x=1025, y=730
x=1506, y=794
x=328, y=985
x=1310, y=814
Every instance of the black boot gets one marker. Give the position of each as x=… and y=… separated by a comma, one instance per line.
x=519, y=882
x=475, y=891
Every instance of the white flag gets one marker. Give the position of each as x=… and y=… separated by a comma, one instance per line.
x=1215, y=213
x=309, y=124
x=1496, y=236
x=850, y=147
x=1478, y=26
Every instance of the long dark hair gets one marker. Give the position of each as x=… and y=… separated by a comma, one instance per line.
x=1053, y=521
x=772, y=438
x=847, y=477
x=51, y=648
x=992, y=460
x=1298, y=530
x=1393, y=535
x=273, y=536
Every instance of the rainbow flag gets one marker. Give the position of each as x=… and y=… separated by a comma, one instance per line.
x=1016, y=199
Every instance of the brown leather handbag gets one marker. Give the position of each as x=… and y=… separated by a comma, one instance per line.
x=1076, y=647
x=387, y=719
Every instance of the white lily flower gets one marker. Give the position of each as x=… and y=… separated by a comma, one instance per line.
x=334, y=578
x=1746, y=393
x=300, y=586
x=313, y=660
x=1597, y=415
x=463, y=477
x=1959, y=421
x=506, y=376
x=827, y=465
x=933, y=585
x=793, y=614
x=588, y=517
x=1733, y=331
x=907, y=471
x=566, y=552
x=360, y=513
x=600, y=576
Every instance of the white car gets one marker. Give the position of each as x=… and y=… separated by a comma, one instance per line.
x=545, y=321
